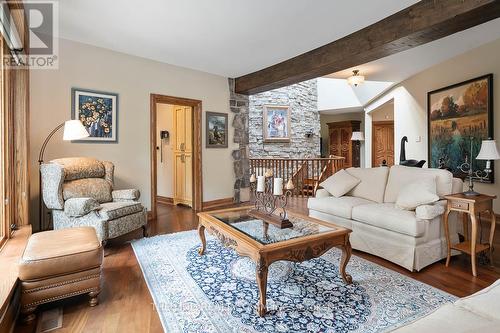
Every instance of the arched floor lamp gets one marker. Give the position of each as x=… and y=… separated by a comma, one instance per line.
x=73, y=130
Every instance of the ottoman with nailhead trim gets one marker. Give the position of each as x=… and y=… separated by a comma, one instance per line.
x=59, y=264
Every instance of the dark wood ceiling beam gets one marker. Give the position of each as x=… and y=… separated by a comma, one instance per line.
x=424, y=22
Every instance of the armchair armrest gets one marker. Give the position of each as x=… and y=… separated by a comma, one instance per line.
x=322, y=193
x=126, y=195
x=77, y=207
x=428, y=212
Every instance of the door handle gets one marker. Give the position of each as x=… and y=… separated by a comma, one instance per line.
x=183, y=146
x=183, y=158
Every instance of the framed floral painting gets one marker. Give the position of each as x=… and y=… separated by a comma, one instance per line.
x=98, y=112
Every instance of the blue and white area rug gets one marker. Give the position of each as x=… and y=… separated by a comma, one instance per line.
x=217, y=292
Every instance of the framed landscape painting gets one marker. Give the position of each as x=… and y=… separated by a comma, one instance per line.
x=457, y=115
x=276, y=123
x=98, y=112
x=216, y=130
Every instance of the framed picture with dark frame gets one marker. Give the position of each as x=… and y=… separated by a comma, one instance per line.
x=458, y=115
x=276, y=123
x=216, y=130
x=98, y=112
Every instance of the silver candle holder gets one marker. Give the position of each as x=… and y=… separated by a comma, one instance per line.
x=269, y=197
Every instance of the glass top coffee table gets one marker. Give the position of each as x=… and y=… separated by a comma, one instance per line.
x=265, y=243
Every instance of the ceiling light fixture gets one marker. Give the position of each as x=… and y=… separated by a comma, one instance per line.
x=355, y=79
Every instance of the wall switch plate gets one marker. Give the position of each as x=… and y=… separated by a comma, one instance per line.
x=418, y=138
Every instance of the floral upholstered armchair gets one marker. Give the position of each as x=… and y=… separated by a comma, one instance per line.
x=79, y=191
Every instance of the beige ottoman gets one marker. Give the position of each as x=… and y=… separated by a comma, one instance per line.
x=59, y=264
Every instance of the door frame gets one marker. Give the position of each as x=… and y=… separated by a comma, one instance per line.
x=196, y=107
x=382, y=122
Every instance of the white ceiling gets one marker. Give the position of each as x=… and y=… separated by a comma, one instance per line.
x=400, y=66
x=225, y=37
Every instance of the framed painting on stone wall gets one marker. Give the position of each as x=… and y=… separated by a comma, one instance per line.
x=98, y=113
x=276, y=123
x=458, y=115
x=216, y=130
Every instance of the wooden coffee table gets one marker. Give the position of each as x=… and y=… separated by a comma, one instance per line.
x=265, y=243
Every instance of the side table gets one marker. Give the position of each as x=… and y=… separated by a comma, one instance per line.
x=470, y=206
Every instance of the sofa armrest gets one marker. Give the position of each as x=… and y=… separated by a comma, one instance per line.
x=429, y=212
x=77, y=207
x=126, y=195
x=322, y=193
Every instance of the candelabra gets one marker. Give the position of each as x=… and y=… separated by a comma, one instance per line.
x=468, y=168
x=269, y=197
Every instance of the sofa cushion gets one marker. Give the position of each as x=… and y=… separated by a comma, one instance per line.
x=339, y=183
x=96, y=188
x=485, y=302
x=387, y=216
x=451, y=318
x=336, y=206
x=114, y=210
x=372, y=185
x=81, y=167
x=401, y=176
x=421, y=192
x=57, y=252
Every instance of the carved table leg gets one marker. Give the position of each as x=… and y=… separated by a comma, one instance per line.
x=473, y=240
x=346, y=255
x=262, y=284
x=492, y=235
x=201, y=232
x=447, y=234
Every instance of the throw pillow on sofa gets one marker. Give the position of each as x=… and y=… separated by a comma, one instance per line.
x=340, y=183
x=421, y=192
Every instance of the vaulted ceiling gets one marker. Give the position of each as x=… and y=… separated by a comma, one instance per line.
x=235, y=37
x=225, y=37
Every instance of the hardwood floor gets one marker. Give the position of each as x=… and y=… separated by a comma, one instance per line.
x=126, y=305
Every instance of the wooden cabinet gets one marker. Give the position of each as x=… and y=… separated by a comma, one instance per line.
x=340, y=143
x=183, y=154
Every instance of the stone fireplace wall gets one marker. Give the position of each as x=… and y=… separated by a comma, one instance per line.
x=302, y=98
x=241, y=165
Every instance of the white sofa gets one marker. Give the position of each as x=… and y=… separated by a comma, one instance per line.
x=477, y=313
x=411, y=239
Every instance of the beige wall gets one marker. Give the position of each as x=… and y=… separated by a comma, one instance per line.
x=383, y=113
x=165, y=169
x=410, y=102
x=330, y=118
x=134, y=79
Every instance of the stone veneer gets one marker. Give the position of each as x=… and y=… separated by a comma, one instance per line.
x=302, y=98
x=241, y=164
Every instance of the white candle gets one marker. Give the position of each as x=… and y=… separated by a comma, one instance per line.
x=278, y=186
x=488, y=164
x=261, y=182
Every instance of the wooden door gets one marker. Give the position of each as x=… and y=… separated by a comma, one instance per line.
x=183, y=154
x=383, y=143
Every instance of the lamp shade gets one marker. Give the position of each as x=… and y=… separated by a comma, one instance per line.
x=357, y=136
x=74, y=130
x=489, y=151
